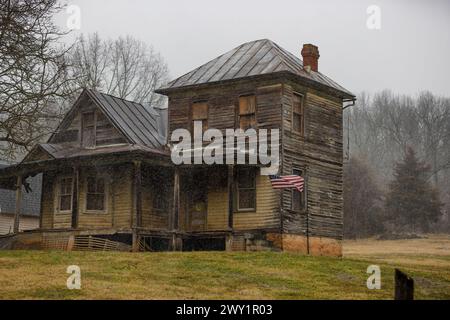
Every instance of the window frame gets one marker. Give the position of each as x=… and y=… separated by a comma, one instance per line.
x=237, y=190
x=83, y=126
x=105, y=190
x=58, y=194
x=254, y=113
x=303, y=195
x=302, y=114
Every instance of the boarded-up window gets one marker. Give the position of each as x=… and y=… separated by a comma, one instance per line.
x=246, y=189
x=247, y=112
x=298, y=198
x=88, y=129
x=200, y=113
x=65, y=193
x=298, y=118
x=95, y=196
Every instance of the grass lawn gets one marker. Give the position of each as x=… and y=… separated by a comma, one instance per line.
x=223, y=275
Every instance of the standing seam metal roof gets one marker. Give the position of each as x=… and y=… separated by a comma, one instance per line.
x=251, y=59
x=134, y=120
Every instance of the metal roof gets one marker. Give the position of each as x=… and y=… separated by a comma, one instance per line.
x=253, y=58
x=133, y=119
x=64, y=151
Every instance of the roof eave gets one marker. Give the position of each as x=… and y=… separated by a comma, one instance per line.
x=280, y=74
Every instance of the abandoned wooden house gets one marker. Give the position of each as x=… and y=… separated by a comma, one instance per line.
x=107, y=170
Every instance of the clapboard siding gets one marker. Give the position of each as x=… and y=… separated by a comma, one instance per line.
x=319, y=154
x=25, y=223
x=267, y=214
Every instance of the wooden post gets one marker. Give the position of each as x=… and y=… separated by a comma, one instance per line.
x=18, y=204
x=404, y=286
x=75, y=193
x=137, y=203
x=176, y=206
x=138, y=192
x=230, y=196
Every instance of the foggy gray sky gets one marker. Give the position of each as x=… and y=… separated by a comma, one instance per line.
x=410, y=53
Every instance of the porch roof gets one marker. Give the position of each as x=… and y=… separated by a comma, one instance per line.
x=67, y=158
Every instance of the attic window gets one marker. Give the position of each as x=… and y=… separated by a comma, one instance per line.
x=200, y=113
x=88, y=129
x=298, y=117
x=247, y=112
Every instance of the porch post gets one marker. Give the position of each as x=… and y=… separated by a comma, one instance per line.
x=230, y=196
x=75, y=193
x=18, y=204
x=137, y=204
x=176, y=206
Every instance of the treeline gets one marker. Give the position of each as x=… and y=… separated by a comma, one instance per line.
x=397, y=164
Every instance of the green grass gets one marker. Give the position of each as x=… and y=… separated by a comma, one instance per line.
x=208, y=275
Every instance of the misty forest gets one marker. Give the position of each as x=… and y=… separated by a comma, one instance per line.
x=396, y=147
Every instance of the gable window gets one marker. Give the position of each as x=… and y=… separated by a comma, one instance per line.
x=247, y=112
x=298, y=118
x=88, y=129
x=298, y=198
x=200, y=113
x=65, y=194
x=95, y=195
x=246, y=189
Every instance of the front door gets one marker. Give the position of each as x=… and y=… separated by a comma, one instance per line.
x=197, y=204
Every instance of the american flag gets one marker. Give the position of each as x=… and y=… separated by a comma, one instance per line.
x=293, y=181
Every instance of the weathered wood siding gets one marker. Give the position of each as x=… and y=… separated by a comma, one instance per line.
x=105, y=132
x=319, y=154
x=267, y=214
x=117, y=213
x=25, y=223
x=223, y=103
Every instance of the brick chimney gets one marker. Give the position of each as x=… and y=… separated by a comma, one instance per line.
x=310, y=54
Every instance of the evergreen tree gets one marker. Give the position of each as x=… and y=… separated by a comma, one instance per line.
x=412, y=203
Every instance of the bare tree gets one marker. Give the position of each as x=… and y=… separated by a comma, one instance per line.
x=362, y=200
x=380, y=128
x=125, y=67
x=32, y=73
